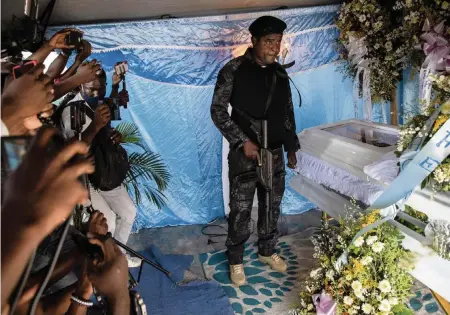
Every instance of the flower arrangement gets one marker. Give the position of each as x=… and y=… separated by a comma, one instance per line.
x=439, y=179
x=383, y=35
x=376, y=278
x=392, y=33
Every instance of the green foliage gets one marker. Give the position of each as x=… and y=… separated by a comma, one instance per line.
x=415, y=214
x=145, y=167
x=130, y=134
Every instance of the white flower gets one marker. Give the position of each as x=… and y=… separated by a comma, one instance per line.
x=371, y=240
x=377, y=247
x=366, y=260
x=362, y=18
x=384, y=306
x=367, y=308
x=348, y=300
x=393, y=301
x=359, y=294
x=377, y=46
x=445, y=5
x=378, y=25
x=315, y=272
x=384, y=286
x=330, y=274
x=388, y=46
x=310, y=307
x=359, y=241
x=356, y=286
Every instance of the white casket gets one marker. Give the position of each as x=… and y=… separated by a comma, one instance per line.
x=350, y=144
x=332, y=167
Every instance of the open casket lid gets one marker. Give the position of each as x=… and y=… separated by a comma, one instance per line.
x=349, y=144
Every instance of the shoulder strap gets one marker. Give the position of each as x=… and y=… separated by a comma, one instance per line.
x=271, y=91
x=283, y=74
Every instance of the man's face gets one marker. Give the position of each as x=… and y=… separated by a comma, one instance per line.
x=267, y=48
x=96, y=88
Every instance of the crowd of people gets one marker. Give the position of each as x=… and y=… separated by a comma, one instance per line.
x=39, y=195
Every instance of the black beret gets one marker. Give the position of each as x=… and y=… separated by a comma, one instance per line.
x=266, y=25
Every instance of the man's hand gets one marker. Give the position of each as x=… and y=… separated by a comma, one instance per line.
x=116, y=136
x=44, y=189
x=124, y=98
x=116, y=79
x=97, y=223
x=26, y=97
x=87, y=72
x=292, y=160
x=102, y=116
x=85, y=51
x=58, y=41
x=109, y=275
x=119, y=71
x=251, y=150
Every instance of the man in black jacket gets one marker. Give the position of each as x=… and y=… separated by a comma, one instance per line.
x=246, y=84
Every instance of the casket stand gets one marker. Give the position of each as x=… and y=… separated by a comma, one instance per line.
x=332, y=169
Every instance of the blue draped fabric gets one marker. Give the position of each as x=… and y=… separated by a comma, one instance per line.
x=173, y=68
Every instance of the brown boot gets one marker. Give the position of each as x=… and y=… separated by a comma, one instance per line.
x=275, y=262
x=237, y=274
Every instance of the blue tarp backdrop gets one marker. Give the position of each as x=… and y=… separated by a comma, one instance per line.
x=173, y=68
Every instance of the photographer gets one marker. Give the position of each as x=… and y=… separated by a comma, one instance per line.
x=38, y=197
x=114, y=203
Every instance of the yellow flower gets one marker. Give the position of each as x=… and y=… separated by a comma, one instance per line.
x=372, y=217
x=439, y=122
x=357, y=266
x=445, y=5
x=446, y=108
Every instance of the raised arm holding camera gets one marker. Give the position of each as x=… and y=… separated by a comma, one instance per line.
x=57, y=41
x=83, y=52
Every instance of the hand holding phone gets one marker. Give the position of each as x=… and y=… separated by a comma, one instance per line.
x=66, y=38
x=121, y=68
x=74, y=39
x=19, y=70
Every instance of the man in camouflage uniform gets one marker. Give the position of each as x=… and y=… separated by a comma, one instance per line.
x=246, y=84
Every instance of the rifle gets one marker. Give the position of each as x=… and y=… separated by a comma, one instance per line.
x=264, y=168
x=264, y=172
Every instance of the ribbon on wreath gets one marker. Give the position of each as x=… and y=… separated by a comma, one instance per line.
x=357, y=52
x=416, y=164
x=324, y=304
x=437, y=51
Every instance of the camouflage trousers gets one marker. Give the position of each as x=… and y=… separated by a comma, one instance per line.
x=243, y=184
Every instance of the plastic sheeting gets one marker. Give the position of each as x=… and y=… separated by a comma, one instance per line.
x=173, y=68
